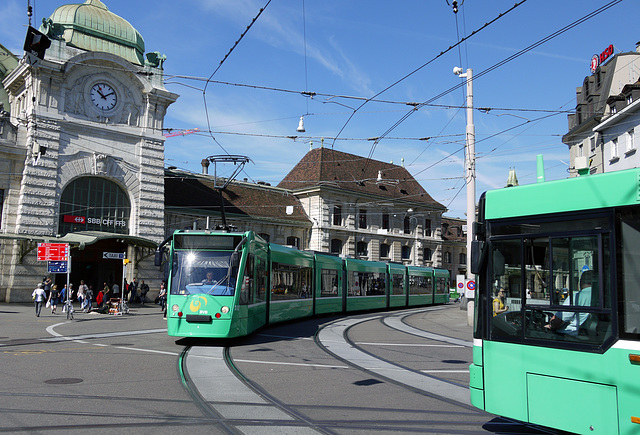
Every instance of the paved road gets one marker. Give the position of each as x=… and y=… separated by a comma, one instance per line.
x=116, y=374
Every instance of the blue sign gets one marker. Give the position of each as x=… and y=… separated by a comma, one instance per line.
x=585, y=268
x=57, y=266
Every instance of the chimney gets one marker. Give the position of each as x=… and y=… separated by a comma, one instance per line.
x=205, y=166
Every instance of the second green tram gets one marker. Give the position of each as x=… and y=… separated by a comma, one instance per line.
x=230, y=284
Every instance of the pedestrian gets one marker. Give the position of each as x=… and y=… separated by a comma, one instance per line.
x=82, y=293
x=105, y=293
x=116, y=290
x=133, y=290
x=144, y=289
x=53, y=298
x=162, y=297
x=88, y=300
x=99, y=299
x=63, y=298
x=125, y=290
x=47, y=286
x=39, y=297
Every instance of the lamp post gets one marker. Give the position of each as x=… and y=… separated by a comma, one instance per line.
x=470, y=164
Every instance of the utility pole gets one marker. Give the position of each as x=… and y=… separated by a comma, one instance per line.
x=470, y=164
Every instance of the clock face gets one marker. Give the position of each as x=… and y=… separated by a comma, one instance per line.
x=103, y=96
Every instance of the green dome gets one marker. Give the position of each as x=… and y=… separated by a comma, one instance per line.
x=90, y=26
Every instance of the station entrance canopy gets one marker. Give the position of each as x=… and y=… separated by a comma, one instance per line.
x=78, y=240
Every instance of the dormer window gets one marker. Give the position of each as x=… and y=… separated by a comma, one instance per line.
x=629, y=99
x=612, y=109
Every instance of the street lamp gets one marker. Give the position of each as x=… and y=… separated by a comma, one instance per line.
x=470, y=164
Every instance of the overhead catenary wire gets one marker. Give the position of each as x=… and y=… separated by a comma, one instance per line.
x=496, y=65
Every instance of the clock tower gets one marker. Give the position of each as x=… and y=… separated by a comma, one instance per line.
x=89, y=120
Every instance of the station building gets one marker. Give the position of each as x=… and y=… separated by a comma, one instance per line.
x=82, y=162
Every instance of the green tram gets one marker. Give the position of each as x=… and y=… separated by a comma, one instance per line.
x=557, y=309
x=225, y=284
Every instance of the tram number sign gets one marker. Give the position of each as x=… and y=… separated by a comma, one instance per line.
x=58, y=266
x=53, y=252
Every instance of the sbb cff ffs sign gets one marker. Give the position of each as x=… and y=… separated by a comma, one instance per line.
x=53, y=252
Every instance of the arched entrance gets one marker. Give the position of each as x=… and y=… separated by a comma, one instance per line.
x=98, y=206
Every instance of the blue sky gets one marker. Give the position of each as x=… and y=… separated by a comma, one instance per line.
x=358, y=49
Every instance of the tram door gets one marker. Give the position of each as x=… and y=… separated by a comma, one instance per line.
x=89, y=265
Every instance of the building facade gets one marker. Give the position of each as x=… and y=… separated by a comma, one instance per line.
x=83, y=152
x=82, y=162
x=610, y=74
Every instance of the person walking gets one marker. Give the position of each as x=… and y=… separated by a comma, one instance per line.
x=162, y=297
x=144, y=289
x=39, y=297
x=82, y=294
x=63, y=297
x=133, y=290
x=88, y=300
x=53, y=298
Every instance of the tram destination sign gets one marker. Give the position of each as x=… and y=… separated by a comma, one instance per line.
x=53, y=252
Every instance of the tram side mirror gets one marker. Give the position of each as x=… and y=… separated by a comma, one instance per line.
x=157, y=260
x=498, y=263
x=478, y=256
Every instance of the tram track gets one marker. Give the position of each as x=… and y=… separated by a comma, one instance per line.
x=444, y=415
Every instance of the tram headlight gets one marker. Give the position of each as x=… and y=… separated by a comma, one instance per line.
x=224, y=310
x=175, y=308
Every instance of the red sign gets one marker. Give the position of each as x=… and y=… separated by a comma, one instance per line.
x=53, y=252
x=74, y=219
x=598, y=60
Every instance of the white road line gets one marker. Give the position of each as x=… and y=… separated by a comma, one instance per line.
x=332, y=337
x=409, y=344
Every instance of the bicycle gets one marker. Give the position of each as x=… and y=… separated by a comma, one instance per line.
x=69, y=309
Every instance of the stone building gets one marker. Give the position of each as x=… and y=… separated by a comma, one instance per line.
x=610, y=74
x=83, y=151
x=82, y=162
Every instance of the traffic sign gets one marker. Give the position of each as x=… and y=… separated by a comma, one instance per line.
x=53, y=251
x=58, y=266
x=114, y=255
x=471, y=285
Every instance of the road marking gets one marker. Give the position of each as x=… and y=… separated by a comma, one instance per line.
x=409, y=344
x=333, y=339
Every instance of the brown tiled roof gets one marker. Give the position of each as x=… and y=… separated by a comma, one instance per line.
x=356, y=174
x=197, y=193
x=452, y=230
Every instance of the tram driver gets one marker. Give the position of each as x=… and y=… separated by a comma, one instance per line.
x=568, y=322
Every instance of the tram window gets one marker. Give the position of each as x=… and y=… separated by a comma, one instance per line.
x=246, y=292
x=329, y=283
x=506, y=263
x=630, y=256
x=441, y=286
x=397, y=284
x=203, y=272
x=570, y=297
x=367, y=284
x=261, y=279
x=420, y=285
x=290, y=281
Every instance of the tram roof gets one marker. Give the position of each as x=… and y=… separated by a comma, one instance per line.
x=587, y=192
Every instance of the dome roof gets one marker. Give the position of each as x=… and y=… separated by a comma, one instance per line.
x=90, y=26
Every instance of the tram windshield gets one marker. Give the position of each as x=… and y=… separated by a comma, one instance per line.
x=203, y=272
